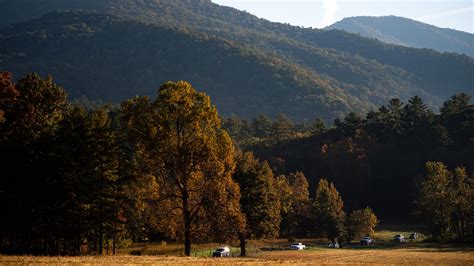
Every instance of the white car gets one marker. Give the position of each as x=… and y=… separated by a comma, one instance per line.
x=221, y=252
x=334, y=245
x=298, y=246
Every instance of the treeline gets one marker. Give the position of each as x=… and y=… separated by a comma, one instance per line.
x=375, y=160
x=88, y=179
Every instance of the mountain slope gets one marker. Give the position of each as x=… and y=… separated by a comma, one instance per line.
x=361, y=73
x=407, y=32
x=90, y=56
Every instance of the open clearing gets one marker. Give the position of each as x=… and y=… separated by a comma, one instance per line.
x=407, y=255
x=447, y=255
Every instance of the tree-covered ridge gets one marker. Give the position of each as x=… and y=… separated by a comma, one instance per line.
x=408, y=32
x=366, y=69
x=105, y=58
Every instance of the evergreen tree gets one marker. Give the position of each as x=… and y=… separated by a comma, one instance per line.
x=259, y=199
x=457, y=104
x=317, y=127
x=31, y=110
x=281, y=129
x=261, y=126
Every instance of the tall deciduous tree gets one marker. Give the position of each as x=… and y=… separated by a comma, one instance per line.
x=446, y=202
x=361, y=223
x=436, y=199
x=183, y=146
x=295, y=204
x=463, y=211
x=328, y=210
x=8, y=94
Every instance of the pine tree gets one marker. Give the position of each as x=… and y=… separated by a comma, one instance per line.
x=259, y=199
x=281, y=129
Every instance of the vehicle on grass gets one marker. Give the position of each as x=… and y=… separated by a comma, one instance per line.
x=297, y=246
x=414, y=235
x=334, y=245
x=399, y=238
x=366, y=240
x=221, y=252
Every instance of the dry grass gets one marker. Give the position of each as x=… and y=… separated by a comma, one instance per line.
x=407, y=254
x=126, y=260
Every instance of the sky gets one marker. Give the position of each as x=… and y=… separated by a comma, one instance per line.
x=454, y=14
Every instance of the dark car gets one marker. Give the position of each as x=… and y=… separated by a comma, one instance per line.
x=399, y=239
x=366, y=241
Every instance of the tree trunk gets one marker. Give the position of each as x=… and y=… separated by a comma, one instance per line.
x=115, y=236
x=243, y=242
x=101, y=225
x=101, y=247
x=187, y=225
x=187, y=240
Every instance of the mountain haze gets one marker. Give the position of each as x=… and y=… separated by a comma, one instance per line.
x=114, y=49
x=408, y=32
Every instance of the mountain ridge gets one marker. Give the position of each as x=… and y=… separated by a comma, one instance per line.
x=408, y=32
x=358, y=72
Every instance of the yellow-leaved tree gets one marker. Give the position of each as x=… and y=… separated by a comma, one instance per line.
x=179, y=140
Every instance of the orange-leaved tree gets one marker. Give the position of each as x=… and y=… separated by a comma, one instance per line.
x=179, y=141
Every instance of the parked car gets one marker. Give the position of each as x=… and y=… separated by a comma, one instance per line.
x=366, y=241
x=399, y=238
x=334, y=245
x=221, y=252
x=297, y=246
x=414, y=235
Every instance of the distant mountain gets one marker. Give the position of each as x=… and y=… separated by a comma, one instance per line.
x=408, y=32
x=248, y=65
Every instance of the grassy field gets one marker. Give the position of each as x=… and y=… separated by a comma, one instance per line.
x=412, y=253
x=275, y=252
x=441, y=255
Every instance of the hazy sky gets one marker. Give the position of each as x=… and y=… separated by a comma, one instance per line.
x=454, y=14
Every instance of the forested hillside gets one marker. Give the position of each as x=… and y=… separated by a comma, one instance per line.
x=408, y=32
x=375, y=160
x=90, y=55
x=330, y=70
